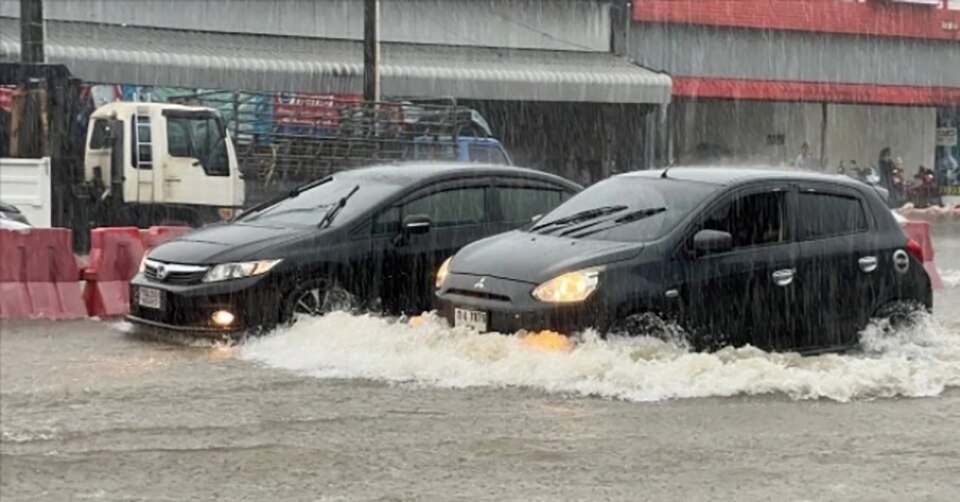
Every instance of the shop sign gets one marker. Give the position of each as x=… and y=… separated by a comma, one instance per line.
x=946, y=136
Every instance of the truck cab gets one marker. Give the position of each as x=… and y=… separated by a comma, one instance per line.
x=162, y=163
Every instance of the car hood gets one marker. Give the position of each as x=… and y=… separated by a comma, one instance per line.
x=535, y=258
x=223, y=243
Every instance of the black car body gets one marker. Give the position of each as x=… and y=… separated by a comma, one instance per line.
x=12, y=213
x=776, y=259
x=371, y=238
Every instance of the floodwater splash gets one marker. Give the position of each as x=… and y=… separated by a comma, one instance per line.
x=923, y=361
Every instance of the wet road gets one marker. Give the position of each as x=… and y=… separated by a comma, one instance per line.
x=350, y=408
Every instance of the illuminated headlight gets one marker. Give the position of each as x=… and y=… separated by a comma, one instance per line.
x=571, y=287
x=443, y=272
x=143, y=263
x=227, y=271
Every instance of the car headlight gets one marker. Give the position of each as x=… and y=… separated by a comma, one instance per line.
x=443, y=272
x=571, y=287
x=227, y=271
x=143, y=262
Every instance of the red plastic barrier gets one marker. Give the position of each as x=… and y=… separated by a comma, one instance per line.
x=920, y=232
x=154, y=236
x=115, y=254
x=39, y=277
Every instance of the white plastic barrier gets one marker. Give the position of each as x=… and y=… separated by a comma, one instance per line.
x=25, y=183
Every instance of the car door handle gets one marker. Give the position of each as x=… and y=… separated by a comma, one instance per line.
x=783, y=277
x=868, y=263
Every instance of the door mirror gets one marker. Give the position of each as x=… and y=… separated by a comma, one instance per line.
x=416, y=224
x=712, y=241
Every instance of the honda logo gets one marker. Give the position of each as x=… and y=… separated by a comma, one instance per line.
x=480, y=284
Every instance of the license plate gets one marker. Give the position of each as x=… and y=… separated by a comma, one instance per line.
x=472, y=319
x=150, y=298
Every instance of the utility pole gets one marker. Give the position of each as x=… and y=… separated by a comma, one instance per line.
x=371, y=50
x=31, y=31
x=620, y=16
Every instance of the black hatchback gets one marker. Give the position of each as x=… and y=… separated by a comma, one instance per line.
x=775, y=259
x=368, y=238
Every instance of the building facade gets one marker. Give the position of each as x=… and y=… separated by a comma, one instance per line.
x=755, y=80
x=528, y=65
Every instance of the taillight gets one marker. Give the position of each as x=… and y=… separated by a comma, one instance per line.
x=915, y=249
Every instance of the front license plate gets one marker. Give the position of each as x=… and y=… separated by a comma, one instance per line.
x=150, y=298
x=472, y=319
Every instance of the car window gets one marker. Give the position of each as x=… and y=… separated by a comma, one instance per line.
x=387, y=222
x=457, y=207
x=756, y=219
x=825, y=215
x=521, y=204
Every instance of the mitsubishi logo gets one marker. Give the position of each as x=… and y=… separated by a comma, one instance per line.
x=161, y=272
x=480, y=284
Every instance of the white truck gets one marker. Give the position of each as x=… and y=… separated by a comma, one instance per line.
x=161, y=163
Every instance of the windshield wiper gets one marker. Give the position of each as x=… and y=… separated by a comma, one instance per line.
x=589, y=214
x=627, y=218
x=275, y=200
x=332, y=212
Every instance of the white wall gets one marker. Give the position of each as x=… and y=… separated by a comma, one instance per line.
x=572, y=25
x=743, y=127
x=854, y=132
x=25, y=183
x=861, y=131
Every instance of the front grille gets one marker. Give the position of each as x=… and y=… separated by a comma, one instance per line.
x=174, y=273
x=480, y=294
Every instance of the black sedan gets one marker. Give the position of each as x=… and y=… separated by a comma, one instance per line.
x=367, y=239
x=776, y=259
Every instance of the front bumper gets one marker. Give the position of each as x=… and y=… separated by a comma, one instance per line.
x=510, y=306
x=253, y=301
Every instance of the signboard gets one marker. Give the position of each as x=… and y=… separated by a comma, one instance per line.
x=946, y=136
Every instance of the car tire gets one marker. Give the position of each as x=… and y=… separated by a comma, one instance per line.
x=648, y=324
x=897, y=316
x=317, y=297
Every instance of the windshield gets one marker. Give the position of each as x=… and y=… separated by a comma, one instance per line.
x=308, y=208
x=625, y=208
x=201, y=137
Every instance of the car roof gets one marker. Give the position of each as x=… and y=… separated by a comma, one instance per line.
x=734, y=175
x=415, y=172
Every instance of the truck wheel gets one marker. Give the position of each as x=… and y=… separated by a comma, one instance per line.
x=317, y=297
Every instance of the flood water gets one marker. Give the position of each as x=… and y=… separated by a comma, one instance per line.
x=361, y=408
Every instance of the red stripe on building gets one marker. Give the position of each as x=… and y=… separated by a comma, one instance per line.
x=873, y=17
x=767, y=90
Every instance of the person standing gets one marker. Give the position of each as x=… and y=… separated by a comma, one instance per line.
x=886, y=167
x=804, y=160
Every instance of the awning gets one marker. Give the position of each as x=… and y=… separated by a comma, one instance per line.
x=147, y=56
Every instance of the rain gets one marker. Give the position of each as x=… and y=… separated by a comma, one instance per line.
x=479, y=249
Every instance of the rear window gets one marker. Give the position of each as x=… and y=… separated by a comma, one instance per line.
x=827, y=215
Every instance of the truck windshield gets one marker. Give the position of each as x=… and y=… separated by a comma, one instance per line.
x=625, y=208
x=307, y=208
x=199, y=136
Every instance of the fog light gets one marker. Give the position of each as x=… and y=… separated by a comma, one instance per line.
x=222, y=318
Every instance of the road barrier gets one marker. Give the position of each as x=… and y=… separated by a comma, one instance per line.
x=39, y=276
x=920, y=232
x=115, y=254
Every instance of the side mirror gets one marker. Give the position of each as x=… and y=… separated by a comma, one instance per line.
x=416, y=224
x=712, y=241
